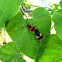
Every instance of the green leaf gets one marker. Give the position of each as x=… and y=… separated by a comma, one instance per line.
x=50, y=50
x=10, y=53
x=23, y=37
x=8, y=8
x=61, y=3
x=17, y=18
x=57, y=18
x=42, y=20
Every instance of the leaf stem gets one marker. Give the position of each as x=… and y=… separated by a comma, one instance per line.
x=52, y=27
x=23, y=12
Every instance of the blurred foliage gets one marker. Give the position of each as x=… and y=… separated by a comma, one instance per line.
x=54, y=8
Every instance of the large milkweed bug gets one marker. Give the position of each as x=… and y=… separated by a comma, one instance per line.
x=37, y=33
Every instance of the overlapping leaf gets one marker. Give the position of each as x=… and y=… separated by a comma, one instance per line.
x=10, y=53
x=50, y=50
x=57, y=18
x=23, y=37
x=8, y=8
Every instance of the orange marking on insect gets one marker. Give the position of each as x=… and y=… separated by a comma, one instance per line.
x=35, y=30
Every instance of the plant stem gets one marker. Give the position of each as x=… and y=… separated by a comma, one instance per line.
x=33, y=5
x=23, y=12
x=52, y=27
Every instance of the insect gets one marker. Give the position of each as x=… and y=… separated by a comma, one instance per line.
x=37, y=33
